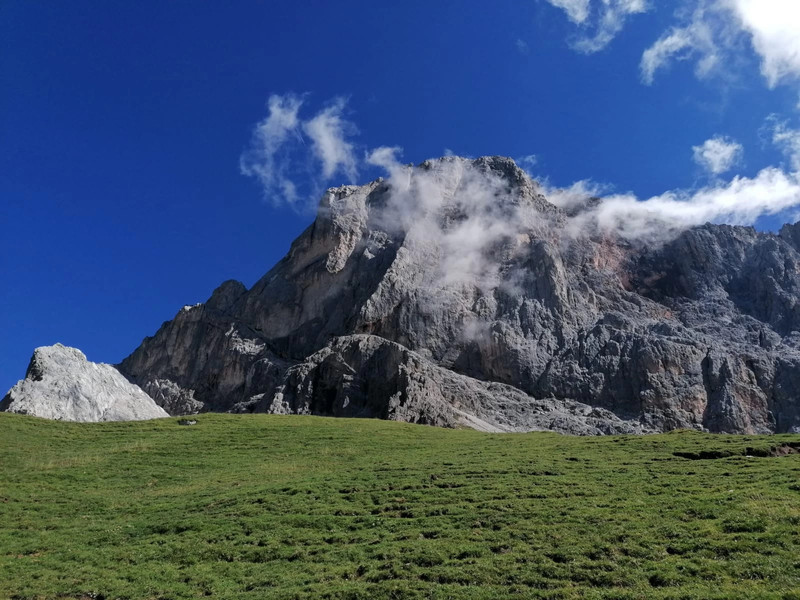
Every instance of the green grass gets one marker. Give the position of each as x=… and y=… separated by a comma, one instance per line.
x=256, y=506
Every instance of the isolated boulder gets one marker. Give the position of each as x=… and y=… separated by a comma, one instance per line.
x=61, y=384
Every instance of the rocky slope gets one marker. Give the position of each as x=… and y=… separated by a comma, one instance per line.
x=61, y=384
x=455, y=293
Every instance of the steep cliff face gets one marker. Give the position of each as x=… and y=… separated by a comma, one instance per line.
x=455, y=293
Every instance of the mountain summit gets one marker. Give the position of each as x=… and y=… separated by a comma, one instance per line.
x=454, y=293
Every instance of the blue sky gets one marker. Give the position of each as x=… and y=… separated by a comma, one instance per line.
x=123, y=126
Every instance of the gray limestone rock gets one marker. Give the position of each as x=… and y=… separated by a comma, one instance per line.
x=61, y=384
x=368, y=376
x=455, y=294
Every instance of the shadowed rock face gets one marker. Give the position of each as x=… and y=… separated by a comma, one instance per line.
x=61, y=384
x=479, y=308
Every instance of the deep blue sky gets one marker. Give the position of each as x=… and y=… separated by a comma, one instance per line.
x=122, y=124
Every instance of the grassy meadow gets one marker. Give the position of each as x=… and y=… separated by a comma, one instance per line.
x=259, y=506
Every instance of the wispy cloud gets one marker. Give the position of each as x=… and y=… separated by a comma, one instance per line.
x=576, y=195
x=712, y=30
x=263, y=160
x=484, y=212
x=455, y=213
x=577, y=10
x=599, y=20
x=774, y=27
x=527, y=162
x=294, y=158
x=707, y=32
x=718, y=154
x=328, y=132
x=741, y=201
x=486, y=217
x=787, y=140
x=696, y=40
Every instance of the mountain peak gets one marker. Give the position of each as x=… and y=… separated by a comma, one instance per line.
x=480, y=282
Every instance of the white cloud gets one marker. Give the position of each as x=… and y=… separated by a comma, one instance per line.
x=522, y=46
x=774, y=26
x=613, y=16
x=262, y=160
x=678, y=42
x=787, y=140
x=718, y=154
x=713, y=30
x=738, y=202
x=600, y=20
x=712, y=33
x=577, y=10
x=527, y=162
x=483, y=215
x=695, y=40
x=575, y=195
x=387, y=157
x=328, y=131
x=294, y=158
x=486, y=221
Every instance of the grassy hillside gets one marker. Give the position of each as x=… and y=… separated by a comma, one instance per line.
x=286, y=507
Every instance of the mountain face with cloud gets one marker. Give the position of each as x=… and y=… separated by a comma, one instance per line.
x=455, y=294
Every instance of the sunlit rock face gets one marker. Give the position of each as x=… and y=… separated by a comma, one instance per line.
x=61, y=384
x=454, y=293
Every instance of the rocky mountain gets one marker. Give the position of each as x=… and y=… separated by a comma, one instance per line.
x=61, y=384
x=455, y=294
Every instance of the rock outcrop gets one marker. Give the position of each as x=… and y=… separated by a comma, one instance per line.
x=368, y=376
x=61, y=384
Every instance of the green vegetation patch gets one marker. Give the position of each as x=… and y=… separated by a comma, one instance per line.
x=258, y=506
